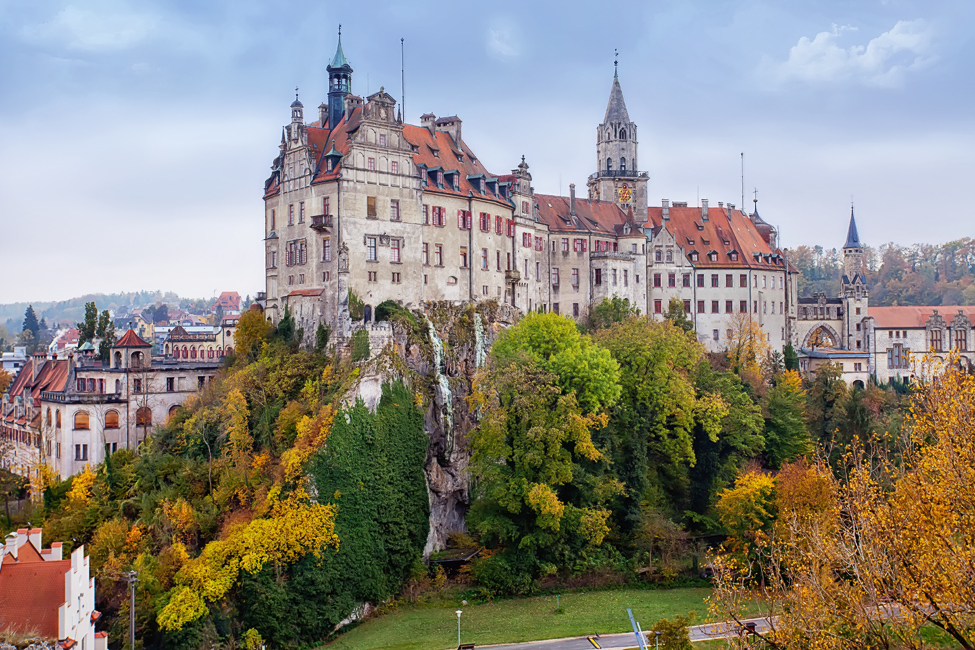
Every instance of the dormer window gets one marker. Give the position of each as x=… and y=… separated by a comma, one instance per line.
x=694, y=256
x=733, y=256
x=713, y=256
x=423, y=175
x=460, y=157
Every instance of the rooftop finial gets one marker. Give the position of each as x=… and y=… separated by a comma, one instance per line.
x=296, y=93
x=340, y=31
x=616, y=56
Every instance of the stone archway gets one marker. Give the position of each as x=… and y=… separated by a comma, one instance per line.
x=822, y=336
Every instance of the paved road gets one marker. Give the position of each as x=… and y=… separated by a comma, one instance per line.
x=627, y=640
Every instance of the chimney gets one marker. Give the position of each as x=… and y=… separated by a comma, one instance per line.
x=450, y=125
x=35, y=538
x=704, y=209
x=572, y=199
x=428, y=120
x=665, y=212
x=11, y=547
x=720, y=204
x=322, y=114
x=37, y=362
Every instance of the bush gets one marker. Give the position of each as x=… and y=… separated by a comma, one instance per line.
x=504, y=574
x=673, y=634
x=360, y=345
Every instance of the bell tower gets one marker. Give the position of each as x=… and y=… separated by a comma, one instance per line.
x=855, y=296
x=339, y=84
x=617, y=176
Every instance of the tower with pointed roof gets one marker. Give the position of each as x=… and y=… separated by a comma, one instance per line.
x=339, y=84
x=854, y=292
x=618, y=177
x=853, y=251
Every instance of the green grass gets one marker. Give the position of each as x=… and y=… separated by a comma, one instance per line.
x=528, y=619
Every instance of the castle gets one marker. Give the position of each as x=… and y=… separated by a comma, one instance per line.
x=361, y=205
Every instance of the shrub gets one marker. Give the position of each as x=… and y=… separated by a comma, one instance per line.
x=360, y=345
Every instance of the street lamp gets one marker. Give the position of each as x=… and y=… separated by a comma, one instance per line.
x=658, y=639
x=458, y=612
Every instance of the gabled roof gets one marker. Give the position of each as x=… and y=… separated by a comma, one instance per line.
x=52, y=375
x=32, y=593
x=131, y=340
x=597, y=217
x=917, y=317
x=852, y=236
x=616, y=107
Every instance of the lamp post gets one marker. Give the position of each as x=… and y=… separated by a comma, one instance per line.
x=458, y=612
x=658, y=639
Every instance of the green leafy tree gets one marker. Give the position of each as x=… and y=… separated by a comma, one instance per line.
x=106, y=332
x=322, y=335
x=790, y=358
x=786, y=433
x=30, y=322
x=286, y=326
x=825, y=396
x=88, y=327
x=677, y=315
x=610, y=311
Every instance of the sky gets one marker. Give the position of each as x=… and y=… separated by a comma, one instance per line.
x=135, y=136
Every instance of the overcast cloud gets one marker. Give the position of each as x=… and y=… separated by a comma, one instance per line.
x=135, y=136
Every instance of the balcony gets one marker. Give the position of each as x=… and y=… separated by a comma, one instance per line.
x=512, y=277
x=618, y=173
x=321, y=221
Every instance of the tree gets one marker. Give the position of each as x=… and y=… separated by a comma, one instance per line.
x=790, y=358
x=677, y=314
x=825, y=396
x=252, y=330
x=30, y=322
x=610, y=311
x=5, y=379
x=322, y=334
x=786, y=435
x=747, y=511
x=286, y=326
x=89, y=326
x=746, y=347
x=106, y=333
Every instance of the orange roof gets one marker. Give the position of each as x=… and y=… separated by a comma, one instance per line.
x=131, y=340
x=724, y=232
x=52, y=376
x=30, y=595
x=306, y=292
x=591, y=216
x=916, y=317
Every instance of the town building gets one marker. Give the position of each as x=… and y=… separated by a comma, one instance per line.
x=361, y=208
x=41, y=593
x=12, y=362
x=64, y=414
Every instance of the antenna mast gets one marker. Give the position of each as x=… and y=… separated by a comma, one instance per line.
x=402, y=81
x=742, y=180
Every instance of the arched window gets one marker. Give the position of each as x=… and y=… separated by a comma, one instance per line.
x=201, y=351
x=118, y=386
x=186, y=354
x=48, y=416
x=111, y=420
x=609, y=164
x=166, y=352
x=622, y=134
x=136, y=359
x=118, y=359
x=192, y=353
x=368, y=313
x=209, y=353
x=81, y=421
x=623, y=164
x=143, y=417
x=57, y=419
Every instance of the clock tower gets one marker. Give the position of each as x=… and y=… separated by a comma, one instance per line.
x=618, y=177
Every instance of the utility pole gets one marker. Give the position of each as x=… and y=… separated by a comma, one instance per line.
x=131, y=579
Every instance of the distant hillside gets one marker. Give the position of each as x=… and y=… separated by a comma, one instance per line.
x=921, y=274
x=72, y=310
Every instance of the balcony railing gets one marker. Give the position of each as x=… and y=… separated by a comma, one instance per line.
x=321, y=221
x=619, y=173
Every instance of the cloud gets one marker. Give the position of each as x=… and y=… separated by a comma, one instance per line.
x=882, y=62
x=106, y=29
x=502, y=43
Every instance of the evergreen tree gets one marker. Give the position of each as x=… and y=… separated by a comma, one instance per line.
x=786, y=435
x=30, y=322
x=88, y=327
x=790, y=357
x=106, y=332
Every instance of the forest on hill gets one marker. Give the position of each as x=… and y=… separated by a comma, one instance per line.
x=268, y=509
x=921, y=274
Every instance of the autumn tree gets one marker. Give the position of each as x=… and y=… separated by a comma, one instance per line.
x=252, y=330
x=610, y=311
x=747, y=345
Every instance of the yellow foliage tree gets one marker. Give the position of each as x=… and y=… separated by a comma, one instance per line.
x=294, y=528
x=80, y=492
x=252, y=330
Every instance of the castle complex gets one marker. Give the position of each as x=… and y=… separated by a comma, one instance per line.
x=361, y=208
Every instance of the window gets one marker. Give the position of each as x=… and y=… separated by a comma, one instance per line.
x=438, y=254
x=137, y=383
x=686, y=280
x=714, y=279
x=394, y=250
x=670, y=256
x=272, y=219
x=755, y=307
x=81, y=452
x=961, y=340
x=598, y=276
x=555, y=308
x=657, y=307
x=715, y=334
x=301, y=212
x=657, y=255
x=370, y=206
x=575, y=310
x=656, y=279
x=524, y=207
x=485, y=222
x=743, y=280
x=526, y=240
x=463, y=220
x=484, y=259
x=426, y=215
x=143, y=417
x=111, y=420
x=714, y=306
x=575, y=278
x=626, y=278
x=539, y=244
x=671, y=280
x=327, y=249
x=463, y=258
x=579, y=245
x=700, y=279
x=371, y=164
x=396, y=277
x=371, y=276
x=743, y=307
x=565, y=244
x=394, y=210
x=170, y=384
x=511, y=227
x=497, y=260
x=394, y=167
x=382, y=139
x=700, y=306
x=81, y=421
x=729, y=281
x=484, y=289
x=439, y=217
x=765, y=306
x=687, y=306
x=729, y=306
x=371, y=249
x=764, y=281
x=934, y=340
x=426, y=254
x=291, y=214
x=538, y=271
x=898, y=357
x=555, y=276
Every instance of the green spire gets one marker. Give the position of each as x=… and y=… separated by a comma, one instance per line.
x=340, y=61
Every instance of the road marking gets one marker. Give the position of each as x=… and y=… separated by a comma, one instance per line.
x=593, y=642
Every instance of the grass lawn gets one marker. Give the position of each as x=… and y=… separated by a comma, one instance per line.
x=435, y=627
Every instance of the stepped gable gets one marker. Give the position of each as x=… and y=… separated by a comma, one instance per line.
x=439, y=149
x=693, y=233
x=592, y=216
x=917, y=317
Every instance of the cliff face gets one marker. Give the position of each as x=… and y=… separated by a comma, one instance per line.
x=437, y=352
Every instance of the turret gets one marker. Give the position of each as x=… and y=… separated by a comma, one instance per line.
x=339, y=84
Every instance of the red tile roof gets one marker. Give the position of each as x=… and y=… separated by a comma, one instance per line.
x=601, y=217
x=916, y=317
x=306, y=292
x=52, y=376
x=735, y=227
x=131, y=340
x=30, y=595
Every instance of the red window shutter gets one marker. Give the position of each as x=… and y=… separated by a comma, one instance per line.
x=460, y=219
